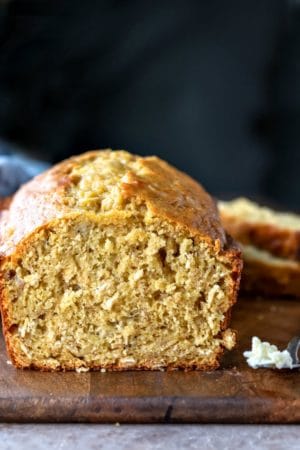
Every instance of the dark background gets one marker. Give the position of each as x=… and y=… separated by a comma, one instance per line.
x=211, y=86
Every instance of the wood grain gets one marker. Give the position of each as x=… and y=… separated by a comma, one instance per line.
x=233, y=394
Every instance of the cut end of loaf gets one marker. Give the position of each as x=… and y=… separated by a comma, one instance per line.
x=137, y=293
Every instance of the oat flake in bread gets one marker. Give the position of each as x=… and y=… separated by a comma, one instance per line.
x=114, y=261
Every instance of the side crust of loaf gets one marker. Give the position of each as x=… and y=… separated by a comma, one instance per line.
x=156, y=232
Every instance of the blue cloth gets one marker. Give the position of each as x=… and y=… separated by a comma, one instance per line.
x=16, y=169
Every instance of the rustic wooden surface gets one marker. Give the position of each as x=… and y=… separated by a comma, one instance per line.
x=233, y=394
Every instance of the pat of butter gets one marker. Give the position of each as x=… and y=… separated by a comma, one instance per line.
x=264, y=354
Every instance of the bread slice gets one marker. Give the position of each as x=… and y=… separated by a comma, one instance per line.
x=270, y=244
x=114, y=261
x=266, y=274
x=252, y=224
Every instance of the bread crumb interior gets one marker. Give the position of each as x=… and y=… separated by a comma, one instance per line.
x=129, y=294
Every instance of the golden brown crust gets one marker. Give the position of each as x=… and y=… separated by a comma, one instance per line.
x=234, y=257
x=284, y=243
x=168, y=192
x=187, y=367
x=176, y=197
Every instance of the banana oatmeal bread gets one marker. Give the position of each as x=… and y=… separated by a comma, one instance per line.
x=115, y=261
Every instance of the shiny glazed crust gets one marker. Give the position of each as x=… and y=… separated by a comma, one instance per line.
x=169, y=194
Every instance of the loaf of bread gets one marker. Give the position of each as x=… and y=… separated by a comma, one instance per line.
x=117, y=262
x=270, y=244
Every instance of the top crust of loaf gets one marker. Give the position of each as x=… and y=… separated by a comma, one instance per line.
x=74, y=186
x=252, y=224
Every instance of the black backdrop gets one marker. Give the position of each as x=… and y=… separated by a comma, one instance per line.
x=211, y=86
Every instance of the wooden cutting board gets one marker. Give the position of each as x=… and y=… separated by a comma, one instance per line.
x=233, y=394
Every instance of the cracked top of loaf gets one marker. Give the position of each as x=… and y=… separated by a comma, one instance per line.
x=111, y=183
